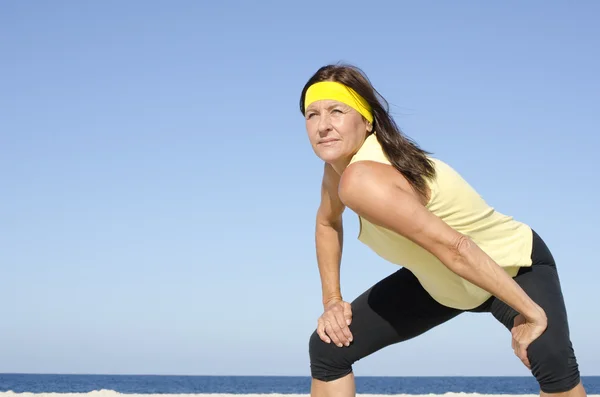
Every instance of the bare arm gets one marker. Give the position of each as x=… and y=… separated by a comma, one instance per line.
x=374, y=191
x=329, y=236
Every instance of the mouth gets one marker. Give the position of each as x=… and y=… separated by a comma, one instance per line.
x=327, y=141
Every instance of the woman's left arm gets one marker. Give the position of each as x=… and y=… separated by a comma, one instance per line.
x=374, y=192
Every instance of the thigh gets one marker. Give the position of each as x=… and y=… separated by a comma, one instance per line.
x=552, y=356
x=395, y=309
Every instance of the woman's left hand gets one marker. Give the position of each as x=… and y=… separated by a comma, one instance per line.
x=524, y=332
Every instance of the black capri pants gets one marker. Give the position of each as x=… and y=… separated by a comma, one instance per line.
x=397, y=308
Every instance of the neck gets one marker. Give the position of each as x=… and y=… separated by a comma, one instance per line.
x=340, y=165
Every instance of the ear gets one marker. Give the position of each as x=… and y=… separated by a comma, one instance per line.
x=369, y=127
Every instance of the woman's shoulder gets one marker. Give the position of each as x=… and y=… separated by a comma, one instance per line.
x=370, y=150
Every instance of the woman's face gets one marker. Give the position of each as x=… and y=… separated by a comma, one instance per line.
x=335, y=130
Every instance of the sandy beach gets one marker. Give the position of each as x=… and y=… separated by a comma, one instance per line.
x=111, y=393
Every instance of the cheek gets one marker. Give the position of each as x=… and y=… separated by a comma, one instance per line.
x=352, y=130
x=311, y=132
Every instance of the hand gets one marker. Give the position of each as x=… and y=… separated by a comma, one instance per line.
x=333, y=323
x=524, y=332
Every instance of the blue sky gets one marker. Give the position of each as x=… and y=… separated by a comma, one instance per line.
x=159, y=190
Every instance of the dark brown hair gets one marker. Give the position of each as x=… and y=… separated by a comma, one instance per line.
x=404, y=154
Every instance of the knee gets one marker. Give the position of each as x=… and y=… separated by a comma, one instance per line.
x=554, y=365
x=327, y=361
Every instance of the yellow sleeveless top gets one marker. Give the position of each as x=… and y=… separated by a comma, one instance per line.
x=507, y=241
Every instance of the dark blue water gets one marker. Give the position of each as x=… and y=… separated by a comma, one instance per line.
x=149, y=384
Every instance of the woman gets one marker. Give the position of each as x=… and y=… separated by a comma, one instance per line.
x=458, y=254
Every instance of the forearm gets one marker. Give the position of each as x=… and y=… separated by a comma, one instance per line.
x=474, y=265
x=329, y=243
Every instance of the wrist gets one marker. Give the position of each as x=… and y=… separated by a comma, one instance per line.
x=333, y=299
x=538, y=316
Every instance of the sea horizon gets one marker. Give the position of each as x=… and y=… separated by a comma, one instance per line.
x=111, y=385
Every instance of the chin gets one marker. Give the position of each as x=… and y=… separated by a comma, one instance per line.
x=329, y=155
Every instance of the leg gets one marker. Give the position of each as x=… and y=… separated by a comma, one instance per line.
x=395, y=309
x=552, y=357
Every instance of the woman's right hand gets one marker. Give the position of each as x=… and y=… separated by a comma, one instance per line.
x=333, y=323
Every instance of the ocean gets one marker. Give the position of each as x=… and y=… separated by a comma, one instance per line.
x=283, y=385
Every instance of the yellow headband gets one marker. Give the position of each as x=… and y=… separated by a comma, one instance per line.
x=338, y=92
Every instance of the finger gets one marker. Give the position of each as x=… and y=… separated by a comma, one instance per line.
x=516, y=350
x=342, y=329
x=321, y=332
x=348, y=335
x=337, y=333
x=521, y=353
x=331, y=332
x=524, y=357
x=337, y=324
x=339, y=327
x=348, y=313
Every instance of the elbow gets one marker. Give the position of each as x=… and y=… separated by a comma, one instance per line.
x=333, y=222
x=459, y=251
x=463, y=245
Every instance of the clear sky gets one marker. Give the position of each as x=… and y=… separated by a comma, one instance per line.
x=158, y=189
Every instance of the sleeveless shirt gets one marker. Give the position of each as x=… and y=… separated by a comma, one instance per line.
x=507, y=241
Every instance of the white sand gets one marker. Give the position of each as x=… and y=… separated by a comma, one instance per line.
x=112, y=393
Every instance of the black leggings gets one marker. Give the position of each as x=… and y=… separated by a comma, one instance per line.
x=397, y=308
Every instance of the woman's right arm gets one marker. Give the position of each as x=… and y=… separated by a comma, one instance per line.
x=329, y=237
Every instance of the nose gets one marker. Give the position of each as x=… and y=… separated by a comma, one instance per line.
x=324, y=123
